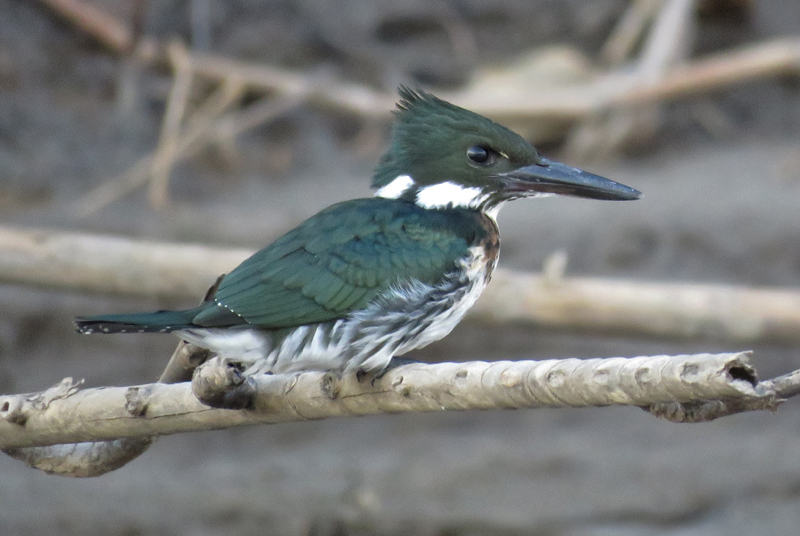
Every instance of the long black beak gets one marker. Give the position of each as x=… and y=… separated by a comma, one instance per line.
x=552, y=177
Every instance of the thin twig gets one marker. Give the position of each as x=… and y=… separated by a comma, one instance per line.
x=628, y=31
x=167, y=152
x=204, y=127
x=103, y=27
x=667, y=45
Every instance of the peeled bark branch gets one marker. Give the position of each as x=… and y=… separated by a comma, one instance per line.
x=65, y=414
x=93, y=458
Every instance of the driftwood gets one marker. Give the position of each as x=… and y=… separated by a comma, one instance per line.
x=682, y=388
x=123, y=266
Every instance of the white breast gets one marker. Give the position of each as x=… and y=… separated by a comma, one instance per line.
x=405, y=318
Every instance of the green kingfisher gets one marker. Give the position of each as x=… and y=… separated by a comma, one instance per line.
x=368, y=279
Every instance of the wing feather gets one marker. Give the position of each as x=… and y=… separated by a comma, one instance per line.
x=340, y=260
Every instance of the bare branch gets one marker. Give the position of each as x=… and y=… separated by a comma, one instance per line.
x=103, y=27
x=607, y=91
x=95, y=458
x=156, y=409
x=113, y=265
x=667, y=45
x=207, y=125
x=167, y=152
x=662, y=309
x=628, y=31
x=82, y=460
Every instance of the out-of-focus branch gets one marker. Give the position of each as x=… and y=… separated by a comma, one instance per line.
x=167, y=151
x=611, y=106
x=146, y=410
x=103, y=27
x=209, y=124
x=113, y=265
x=628, y=31
x=607, y=90
x=667, y=45
x=122, y=266
x=661, y=309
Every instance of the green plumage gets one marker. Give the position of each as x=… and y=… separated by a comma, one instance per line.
x=342, y=258
x=335, y=262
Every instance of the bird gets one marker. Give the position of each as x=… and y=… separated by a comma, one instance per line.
x=369, y=279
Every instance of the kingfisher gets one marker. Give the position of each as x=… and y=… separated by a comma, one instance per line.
x=368, y=279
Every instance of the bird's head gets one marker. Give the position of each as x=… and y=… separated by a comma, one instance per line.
x=445, y=156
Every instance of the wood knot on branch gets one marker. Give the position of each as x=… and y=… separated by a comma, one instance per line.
x=11, y=409
x=136, y=401
x=330, y=385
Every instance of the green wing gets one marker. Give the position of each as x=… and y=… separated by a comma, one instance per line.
x=338, y=261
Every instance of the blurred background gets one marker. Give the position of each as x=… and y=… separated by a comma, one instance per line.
x=227, y=123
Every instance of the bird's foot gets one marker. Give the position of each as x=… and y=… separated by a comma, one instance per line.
x=221, y=383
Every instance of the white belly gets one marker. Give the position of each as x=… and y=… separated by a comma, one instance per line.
x=401, y=320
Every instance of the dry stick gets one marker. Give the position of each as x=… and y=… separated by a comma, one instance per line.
x=71, y=415
x=675, y=310
x=346, y=96
x=628, y=31
x=167, y=152
x=202, y=128
x=772, y=58
x=779, y=57
x=607, y=92
x=122, y=266
x=114, y=188
x=206, y=130
x=197, y=126
x=105, y=28
x=602, y=134
x=114, y=265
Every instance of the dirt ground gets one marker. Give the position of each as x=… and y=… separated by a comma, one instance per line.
x=721, y=206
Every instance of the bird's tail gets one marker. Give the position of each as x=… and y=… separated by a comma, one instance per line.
x=158, y=322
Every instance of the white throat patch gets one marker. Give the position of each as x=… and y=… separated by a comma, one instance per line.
x=395, y=189
x=450, y=194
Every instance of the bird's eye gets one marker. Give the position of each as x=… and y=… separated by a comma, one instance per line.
x=480, y=155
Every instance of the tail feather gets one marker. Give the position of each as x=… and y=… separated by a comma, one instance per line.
x=158, y=322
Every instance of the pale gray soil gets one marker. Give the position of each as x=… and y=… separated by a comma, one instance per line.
x=716, y=209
